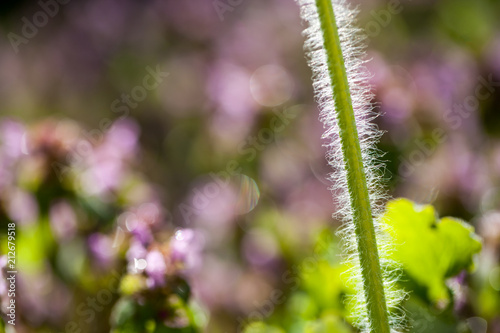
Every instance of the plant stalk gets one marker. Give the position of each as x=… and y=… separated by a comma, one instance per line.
x=356, y=178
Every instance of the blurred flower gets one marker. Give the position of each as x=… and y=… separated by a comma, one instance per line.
x=260, y=248
x=101, y=249
x=216, y=283
x=142, y=233
x=122, y=139
x=156, y=269
x=441, y=83
x=22, y=207
x=106, y=163
x=397, y=103
x=44, y=297
x=103, y=176
x=271, y=85
x=57, y=139
x=135, y=251
x=186, y=247
x=310, y=203
x=489, y=229
x=229, y=87
x=214, y=205
x=13, y=139
x=150, y=213
x=493, y=56
x=458, y=286
x=63, y=220
x=283, y=167
x=265, y=35
x=138, y=226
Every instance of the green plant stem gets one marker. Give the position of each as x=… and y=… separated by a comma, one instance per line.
x=356, y=178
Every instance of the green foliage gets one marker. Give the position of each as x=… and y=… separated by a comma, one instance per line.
x=159, y=315
x=430, y=249
x=326, y=324
x=33, y=245
x=477, y=20
x=488, y=300
x=426, y=319
x=259, y=327
x=124, y=310
x=132, y=283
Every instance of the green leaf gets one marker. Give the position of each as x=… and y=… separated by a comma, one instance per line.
x=132, y=283
x=302, y=306
x=325, y=286
x=260, y=327
x=424, y=319
x=123, y=311
x=327, y=324
x=430, y=249
x=161, y=328
x=34, y=244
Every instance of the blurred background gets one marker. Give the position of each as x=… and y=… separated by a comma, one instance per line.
x=172, y=149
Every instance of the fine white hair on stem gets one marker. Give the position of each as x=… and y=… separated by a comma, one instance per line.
x=352, y=44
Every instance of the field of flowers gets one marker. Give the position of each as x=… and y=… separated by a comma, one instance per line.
x=162, y=167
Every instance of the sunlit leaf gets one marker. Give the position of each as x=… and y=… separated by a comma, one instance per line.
x=430, y=249
x=259, y=327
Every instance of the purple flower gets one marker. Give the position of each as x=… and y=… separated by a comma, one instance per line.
x=219, y=208
x=138, y=226
x=156, y=269
x=142, y=233
x=260, y=248
x=122, y=139
x=13, y=139
x=136, y=251
x=493, y=55
x=216, y=284
x=229, y=88
x=44, y=296
x=103, y=175
x=101, y=248
x=106, y=165
x=458, y=285
x=22, y=207
x=186, y=247
x=149, y=213
x=63, y=220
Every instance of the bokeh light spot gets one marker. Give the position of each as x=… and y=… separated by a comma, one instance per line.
x=248, y=194
x=495, y=278
x=140, y=264
x=131, y=222
x=271, y=85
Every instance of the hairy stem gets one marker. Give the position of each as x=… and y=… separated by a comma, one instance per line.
x=356, y=178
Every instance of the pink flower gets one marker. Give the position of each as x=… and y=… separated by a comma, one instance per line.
x=187, y=247
x=156, y=269
x=62, y=220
